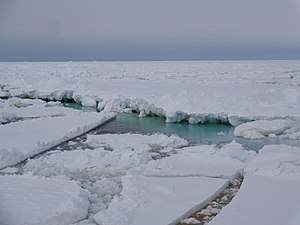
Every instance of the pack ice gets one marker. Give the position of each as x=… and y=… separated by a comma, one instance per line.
x=137, y=179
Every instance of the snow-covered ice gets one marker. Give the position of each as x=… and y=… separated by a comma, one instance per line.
x=115, y=161
x=137, y=179
x=280, y=128
x=172, y=186
x=39, y=201
x=99, y=169
x=9, y=114
x=196, y=92
x=14, y=109
x=153, y=200
x=199, y=161
x=279, y=161
x=139, y=197
x=263, y=200
x=270, y=191
x=24, y=139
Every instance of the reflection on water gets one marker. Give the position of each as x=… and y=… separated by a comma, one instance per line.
x=196, y=134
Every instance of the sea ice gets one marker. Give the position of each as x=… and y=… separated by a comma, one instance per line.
x=24, y=139
x=196, y=92
x=10, y=114
x=99, y=168
x=281, y=128
x=171, y=186
x=193, y=92
x=281, y=161
x=197, y=161
x=14, y=109
x=40, y=201
x=160, y=201
x=263, y=200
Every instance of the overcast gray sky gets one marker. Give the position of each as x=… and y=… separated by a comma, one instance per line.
x=41, y=30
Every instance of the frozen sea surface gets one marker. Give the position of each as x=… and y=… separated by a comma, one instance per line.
x=32, y=200
x=120, y=172
x=24, y=139
x=258, y=200
x=193, y=91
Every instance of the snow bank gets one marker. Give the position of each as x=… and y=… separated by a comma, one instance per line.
x=36, y=201
x=263, y=200
x=281, y=128
x=25, y=139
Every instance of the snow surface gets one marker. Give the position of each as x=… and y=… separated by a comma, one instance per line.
x=10, y=114
x=196, y=92
x=270, y=191
x=24, y=139
x=263, y=200
x=280, y=128
x=127, y=180
x=133, y=191
x=39, y=201
x=171, y=187
x=122, y=165
x=199, y=161
x=153, y=200
x=279, y=161
x=99, y=169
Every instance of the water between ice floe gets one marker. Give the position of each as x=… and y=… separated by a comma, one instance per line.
x=217, y=134
x=196, y=134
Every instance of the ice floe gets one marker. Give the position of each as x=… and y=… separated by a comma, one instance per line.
x=280, y=128
x=11, y=114
x=24, y=139
x=171, y=184
x=14, y=109
x=270, y=191
x=152, y=200
x=39, y=201
x=263, y=200
x=280, y=161
x=99, y=168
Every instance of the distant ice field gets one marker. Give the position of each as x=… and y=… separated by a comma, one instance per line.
x=231, y=91
x=261, y=99
x=258, y=72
